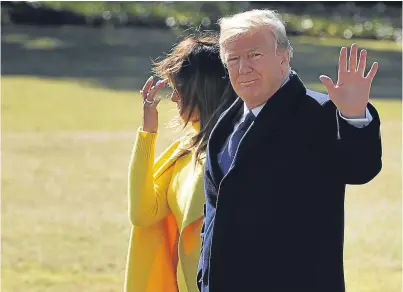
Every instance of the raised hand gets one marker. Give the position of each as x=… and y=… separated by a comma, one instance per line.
x=351, y=93
x=150, y=102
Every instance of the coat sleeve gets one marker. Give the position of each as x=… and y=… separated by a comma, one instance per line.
x=358, y=150
x=148, y=202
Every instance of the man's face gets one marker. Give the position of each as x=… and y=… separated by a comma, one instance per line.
x=255, y=69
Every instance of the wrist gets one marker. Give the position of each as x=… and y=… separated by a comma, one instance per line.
x=353, y=115
x=149, y=130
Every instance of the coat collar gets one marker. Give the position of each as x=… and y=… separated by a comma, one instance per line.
x=218, y=136
x=173, y=151
x=194, y=205
x=265, y=126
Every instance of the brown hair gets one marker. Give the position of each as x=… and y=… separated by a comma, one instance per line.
x=194, y=69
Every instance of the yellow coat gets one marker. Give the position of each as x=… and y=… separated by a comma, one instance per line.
x=166, y=211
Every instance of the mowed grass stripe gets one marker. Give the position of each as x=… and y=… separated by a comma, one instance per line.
x=65, y=155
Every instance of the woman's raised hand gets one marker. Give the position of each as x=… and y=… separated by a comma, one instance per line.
x=150, y=103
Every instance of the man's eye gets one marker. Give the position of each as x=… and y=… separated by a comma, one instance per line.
x=254, y=55
x=232, y=59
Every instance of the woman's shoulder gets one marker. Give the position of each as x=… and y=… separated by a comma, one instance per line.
x=171, y=152
x=179, y=149
x=172, y=148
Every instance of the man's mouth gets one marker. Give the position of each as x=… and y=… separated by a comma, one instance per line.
x=248, y=82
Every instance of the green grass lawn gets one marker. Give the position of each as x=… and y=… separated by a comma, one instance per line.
x=65, y=227
x=379, y=45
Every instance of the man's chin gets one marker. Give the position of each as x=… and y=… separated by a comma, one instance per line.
x=248, y=92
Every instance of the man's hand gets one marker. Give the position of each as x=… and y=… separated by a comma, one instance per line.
x=351, y=93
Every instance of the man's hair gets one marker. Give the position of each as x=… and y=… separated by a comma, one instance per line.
x=249, y=22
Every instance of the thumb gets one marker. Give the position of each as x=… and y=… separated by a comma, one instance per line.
x=327, y=81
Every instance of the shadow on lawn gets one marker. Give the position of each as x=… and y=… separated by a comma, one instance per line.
x=120, y=58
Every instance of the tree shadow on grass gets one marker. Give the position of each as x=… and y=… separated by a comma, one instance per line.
x=120, y=59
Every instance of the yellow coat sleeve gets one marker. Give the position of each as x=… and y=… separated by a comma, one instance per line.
x=148, y=202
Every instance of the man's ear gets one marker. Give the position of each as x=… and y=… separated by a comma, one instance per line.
x=285, y=58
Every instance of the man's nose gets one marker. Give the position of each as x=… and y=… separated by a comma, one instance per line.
x=244, y=66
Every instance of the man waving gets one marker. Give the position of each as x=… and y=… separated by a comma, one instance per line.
x=278, y=162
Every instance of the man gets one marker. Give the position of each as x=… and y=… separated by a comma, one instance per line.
x=278, y=162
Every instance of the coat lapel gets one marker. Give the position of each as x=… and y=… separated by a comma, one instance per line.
x=161, y=165
x=274, y=116
x=219, y=134
x=194, y=205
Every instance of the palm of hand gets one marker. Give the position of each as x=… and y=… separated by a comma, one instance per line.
x=351, y=92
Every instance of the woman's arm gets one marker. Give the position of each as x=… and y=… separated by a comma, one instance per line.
x=147, y=198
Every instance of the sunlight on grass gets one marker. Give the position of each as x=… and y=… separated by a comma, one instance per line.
x=51, y=104
x=42, y=280
x=65, y=153
x=44, y=43
x=15, y=38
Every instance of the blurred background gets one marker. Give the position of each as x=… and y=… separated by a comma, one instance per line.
x=71, y=73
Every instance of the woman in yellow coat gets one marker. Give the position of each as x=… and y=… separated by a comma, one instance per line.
x=166, y=194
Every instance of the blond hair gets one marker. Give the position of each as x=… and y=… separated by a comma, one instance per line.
x=249, y=22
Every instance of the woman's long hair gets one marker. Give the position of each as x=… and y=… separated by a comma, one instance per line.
x=195, y=71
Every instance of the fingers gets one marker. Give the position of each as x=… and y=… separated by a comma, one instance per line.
x=160, y=84
x=328, y=82
x=371, y=74
x=362, y=63
x=146, y=87
x=148, y=91
x=353, y=67
x=353, y=58
x=343, y=62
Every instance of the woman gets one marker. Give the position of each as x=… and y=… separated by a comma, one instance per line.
x=166, y=197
